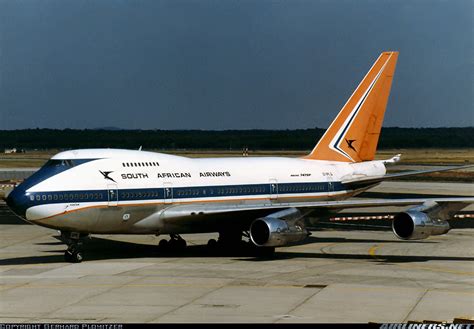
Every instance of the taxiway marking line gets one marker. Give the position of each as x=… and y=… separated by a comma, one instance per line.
x=372, y=252
x=29, y=286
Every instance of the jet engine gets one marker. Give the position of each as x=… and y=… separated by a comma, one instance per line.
x=416, y=225
x=278, y=229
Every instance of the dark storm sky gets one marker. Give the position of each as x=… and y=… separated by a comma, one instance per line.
x=224, y=64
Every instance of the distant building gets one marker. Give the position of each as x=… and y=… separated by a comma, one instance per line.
x=13, y=150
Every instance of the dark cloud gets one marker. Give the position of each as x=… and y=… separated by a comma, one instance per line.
x=228, y=64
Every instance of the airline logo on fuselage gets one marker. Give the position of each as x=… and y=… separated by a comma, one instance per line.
x=106, y=175
x=214, y=174
x=134, y=176
x=174, y=175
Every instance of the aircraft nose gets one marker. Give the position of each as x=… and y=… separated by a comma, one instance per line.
x=16, y=202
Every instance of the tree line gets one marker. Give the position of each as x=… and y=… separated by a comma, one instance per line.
x=299, y=139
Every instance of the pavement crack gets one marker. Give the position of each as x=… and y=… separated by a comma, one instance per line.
x=414, y=306
x=301, y=303
x=186, y=304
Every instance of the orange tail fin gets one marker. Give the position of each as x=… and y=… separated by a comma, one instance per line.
x=354, y=134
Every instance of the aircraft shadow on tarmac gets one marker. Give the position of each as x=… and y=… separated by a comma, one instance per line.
x=105, y=249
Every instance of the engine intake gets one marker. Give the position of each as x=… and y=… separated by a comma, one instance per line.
x=275, y=231
x=417, y=225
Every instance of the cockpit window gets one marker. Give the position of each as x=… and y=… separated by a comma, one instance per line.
x=59, y=163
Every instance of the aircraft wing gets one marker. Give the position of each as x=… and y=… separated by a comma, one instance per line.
x=200, y=210
x=203, y=216
x=360, y=182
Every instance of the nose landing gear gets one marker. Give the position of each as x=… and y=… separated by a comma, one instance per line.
x=73, y=256
x=74, y=242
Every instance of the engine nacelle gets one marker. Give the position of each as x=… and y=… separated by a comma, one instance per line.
x=417, y=225
x=279, y=229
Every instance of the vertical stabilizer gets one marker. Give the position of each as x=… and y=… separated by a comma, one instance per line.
x=354, y=134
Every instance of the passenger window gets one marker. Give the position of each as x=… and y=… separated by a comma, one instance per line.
x=43, y=197
x=32, y=197
x=66, y=197
x=50, y=197
x=55, y=197
x=60, y=197
x=38, y=197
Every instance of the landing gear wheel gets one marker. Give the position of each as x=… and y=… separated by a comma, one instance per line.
x=74, y=242
x=77, y=257
x=177, y=244
x=181, y=243
x=212, y=244
x=163, y=244
x=68, y=256
x=73, y=256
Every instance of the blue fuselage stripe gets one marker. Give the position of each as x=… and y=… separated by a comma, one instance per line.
x=180, y=193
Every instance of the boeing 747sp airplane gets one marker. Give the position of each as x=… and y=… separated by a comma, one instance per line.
x=266, y=199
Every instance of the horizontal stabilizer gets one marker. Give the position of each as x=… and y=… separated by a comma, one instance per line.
x=355, y=183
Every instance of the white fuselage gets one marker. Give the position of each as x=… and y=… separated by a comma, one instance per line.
x=109, y=191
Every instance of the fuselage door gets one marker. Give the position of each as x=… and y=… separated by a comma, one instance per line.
x=273, y=188
x=330, y=184
x=168, y=192
x=112, y=193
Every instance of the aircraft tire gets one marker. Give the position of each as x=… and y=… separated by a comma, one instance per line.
x=68, y=256
x=163, y=244
x=73, y=257
x=212, y=244
x=77, y=257
x=181, y=244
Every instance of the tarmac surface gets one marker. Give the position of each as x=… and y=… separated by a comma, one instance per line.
x=337, y=276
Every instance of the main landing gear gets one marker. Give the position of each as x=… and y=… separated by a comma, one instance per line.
x=176, y=242
x=74, y=242
x=238, y=241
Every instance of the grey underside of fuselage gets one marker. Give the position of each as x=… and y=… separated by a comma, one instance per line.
x=151, y=219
